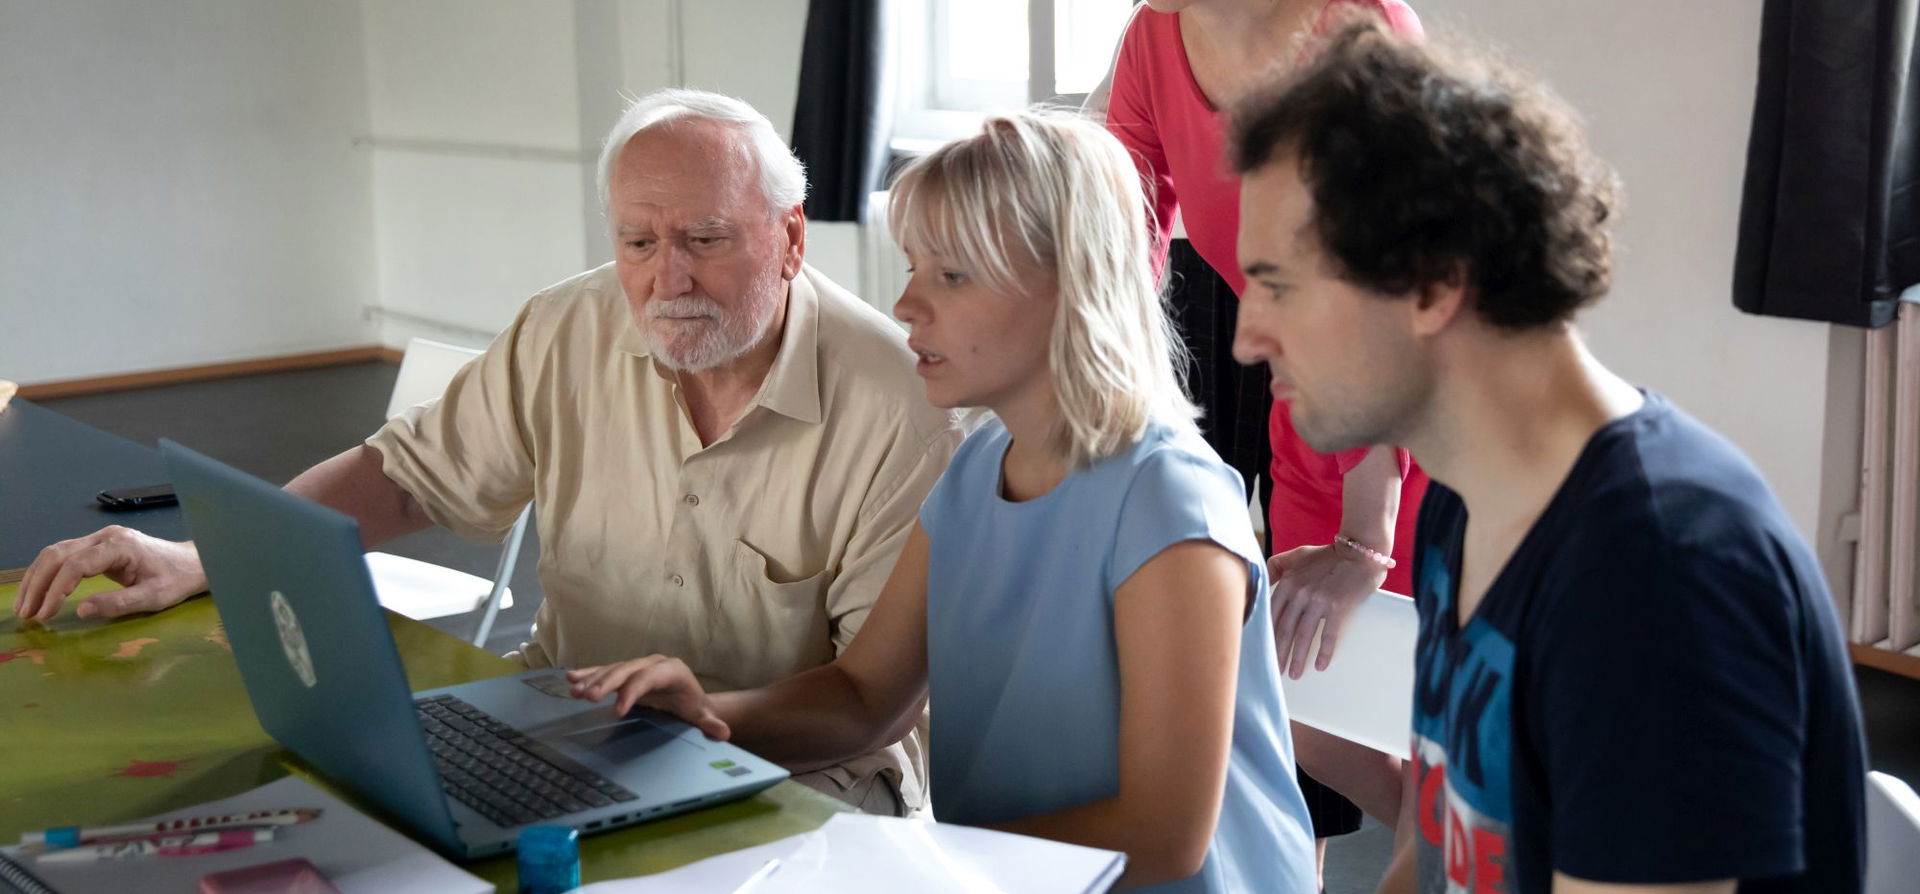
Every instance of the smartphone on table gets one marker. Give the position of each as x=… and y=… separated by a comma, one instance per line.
x=125, y=498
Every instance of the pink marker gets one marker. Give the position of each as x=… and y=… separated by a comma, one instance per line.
x=172, y=846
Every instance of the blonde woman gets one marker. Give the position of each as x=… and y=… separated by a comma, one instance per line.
x=1083, y=596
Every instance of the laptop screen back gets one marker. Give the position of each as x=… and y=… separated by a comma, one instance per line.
x=313, y=647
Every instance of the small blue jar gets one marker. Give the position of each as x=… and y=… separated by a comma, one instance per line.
x=549, y=859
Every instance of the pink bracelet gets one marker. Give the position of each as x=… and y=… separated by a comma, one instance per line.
x=1373, y=555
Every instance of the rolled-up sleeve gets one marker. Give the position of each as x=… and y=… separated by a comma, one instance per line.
x=466, y=458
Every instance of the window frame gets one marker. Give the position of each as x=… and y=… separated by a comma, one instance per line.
x=919, y=123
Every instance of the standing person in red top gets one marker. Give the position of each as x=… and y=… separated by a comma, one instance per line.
x=1341, y=525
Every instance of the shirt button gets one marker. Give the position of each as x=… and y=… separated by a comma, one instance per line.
x=692, y=500
x=678, y=581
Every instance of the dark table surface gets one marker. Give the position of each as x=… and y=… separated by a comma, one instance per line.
x=50, y=469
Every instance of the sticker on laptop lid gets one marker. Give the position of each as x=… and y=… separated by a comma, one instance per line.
x=293, y=641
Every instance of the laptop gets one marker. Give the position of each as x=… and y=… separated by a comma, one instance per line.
x=465, y=766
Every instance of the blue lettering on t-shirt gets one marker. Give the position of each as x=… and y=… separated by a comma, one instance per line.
x=1462, y=744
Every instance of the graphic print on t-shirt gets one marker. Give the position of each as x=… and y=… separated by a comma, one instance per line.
x=1462, y=741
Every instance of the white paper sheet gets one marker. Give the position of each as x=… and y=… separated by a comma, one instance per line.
x=355, y=852
x=1366, y=695
x=856, y=854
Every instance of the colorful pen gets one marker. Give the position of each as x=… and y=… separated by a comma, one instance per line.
x=172, y=846
x=72, y=836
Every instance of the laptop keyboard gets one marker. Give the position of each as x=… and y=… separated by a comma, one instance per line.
x=505, y=774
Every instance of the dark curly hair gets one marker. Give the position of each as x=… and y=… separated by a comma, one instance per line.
x=1421, y=161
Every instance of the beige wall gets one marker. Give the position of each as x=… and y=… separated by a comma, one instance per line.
x=1667, y=90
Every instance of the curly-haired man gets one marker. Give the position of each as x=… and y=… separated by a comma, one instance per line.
x=1629, y=674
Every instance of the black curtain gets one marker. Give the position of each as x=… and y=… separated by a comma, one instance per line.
x=840, y=121
x=1830, y=219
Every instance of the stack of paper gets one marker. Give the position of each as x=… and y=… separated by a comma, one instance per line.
x=855, y=853
x=356, y=853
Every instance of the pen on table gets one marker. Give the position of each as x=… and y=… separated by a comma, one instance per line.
x=759, y=875
x=69, y=836
x=172, y=846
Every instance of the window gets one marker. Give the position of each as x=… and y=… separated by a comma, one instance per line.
x=957, y=60
x=1085, y=35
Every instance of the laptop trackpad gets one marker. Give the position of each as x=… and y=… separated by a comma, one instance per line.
x=615, y=740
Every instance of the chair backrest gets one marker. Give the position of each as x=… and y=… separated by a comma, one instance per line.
x=425, y=371
x=1893, y=835
x=1366, y=694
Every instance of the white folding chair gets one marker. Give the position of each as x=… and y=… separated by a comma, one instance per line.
x=422, y=590
x=1893, y=835
x=1366, y=695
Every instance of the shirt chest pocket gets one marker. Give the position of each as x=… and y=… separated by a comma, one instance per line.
x=784, y=620
x=791, y=585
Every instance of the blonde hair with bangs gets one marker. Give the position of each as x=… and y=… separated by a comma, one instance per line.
x=1054, y=192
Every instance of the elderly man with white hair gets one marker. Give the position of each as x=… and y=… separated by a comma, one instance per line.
x=724, y=449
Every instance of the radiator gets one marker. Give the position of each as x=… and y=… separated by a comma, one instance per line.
x=1886, y=593
x=883, y=266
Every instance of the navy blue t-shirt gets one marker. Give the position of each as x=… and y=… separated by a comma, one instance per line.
x=1654, y=689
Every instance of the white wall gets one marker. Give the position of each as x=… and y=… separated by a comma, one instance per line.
x=178, y=184
x=751, y=49
x=1667, y=89
x=262, y=178
x=487, y=125
x=477, y=158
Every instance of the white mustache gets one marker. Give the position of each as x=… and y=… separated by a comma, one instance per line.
x=660, y=308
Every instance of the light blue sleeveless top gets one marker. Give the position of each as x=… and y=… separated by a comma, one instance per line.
x=1022, y=665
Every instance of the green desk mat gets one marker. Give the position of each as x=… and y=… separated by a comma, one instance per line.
x=103, y=721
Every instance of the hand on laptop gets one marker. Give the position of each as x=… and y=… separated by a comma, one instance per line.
x=156, y=574
x=656, y=681
x=1313, y=584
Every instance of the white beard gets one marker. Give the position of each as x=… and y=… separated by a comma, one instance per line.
x=718, y=339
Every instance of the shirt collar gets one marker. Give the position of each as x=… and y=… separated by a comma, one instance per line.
x=792, y=386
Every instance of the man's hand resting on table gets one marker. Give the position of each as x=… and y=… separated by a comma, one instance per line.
x=155, y=573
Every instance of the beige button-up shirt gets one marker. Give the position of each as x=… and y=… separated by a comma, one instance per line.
x=753, y=558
